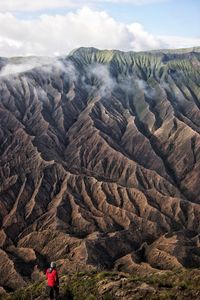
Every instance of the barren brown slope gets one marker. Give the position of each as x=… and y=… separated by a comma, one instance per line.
x=100, y=161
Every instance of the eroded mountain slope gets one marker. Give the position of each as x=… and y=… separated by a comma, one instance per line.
x=99, y=161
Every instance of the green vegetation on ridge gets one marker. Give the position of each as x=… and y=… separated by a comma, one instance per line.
x=180, y=284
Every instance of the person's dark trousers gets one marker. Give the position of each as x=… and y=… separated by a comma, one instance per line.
x=53, y=292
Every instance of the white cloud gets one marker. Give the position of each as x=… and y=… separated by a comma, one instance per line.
x=133, y=2
x=59, y=34
x=46, y=65
x=142, y=39
x=41, y=5
x=26, y=64
x=102, y=73
x=180, y=42
x=36, y=5
x=15, y=68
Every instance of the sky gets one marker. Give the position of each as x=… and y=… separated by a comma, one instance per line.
x=56, y=27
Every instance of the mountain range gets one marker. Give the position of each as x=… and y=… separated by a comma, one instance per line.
x=99, y=162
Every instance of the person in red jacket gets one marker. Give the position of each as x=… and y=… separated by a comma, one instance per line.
x=53, y=281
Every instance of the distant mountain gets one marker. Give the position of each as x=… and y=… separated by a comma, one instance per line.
x=99, y=161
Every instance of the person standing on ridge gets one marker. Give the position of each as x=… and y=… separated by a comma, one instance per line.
x=53, y=281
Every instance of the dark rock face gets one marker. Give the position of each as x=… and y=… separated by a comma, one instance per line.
x=100, y=162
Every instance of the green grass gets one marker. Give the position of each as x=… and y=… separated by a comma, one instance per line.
x=179, y=284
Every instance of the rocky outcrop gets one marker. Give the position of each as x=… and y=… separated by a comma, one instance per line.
x=99, y=162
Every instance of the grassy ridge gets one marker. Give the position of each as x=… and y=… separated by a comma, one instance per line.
x=181, y=284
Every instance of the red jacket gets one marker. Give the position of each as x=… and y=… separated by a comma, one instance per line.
x=52, y=277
